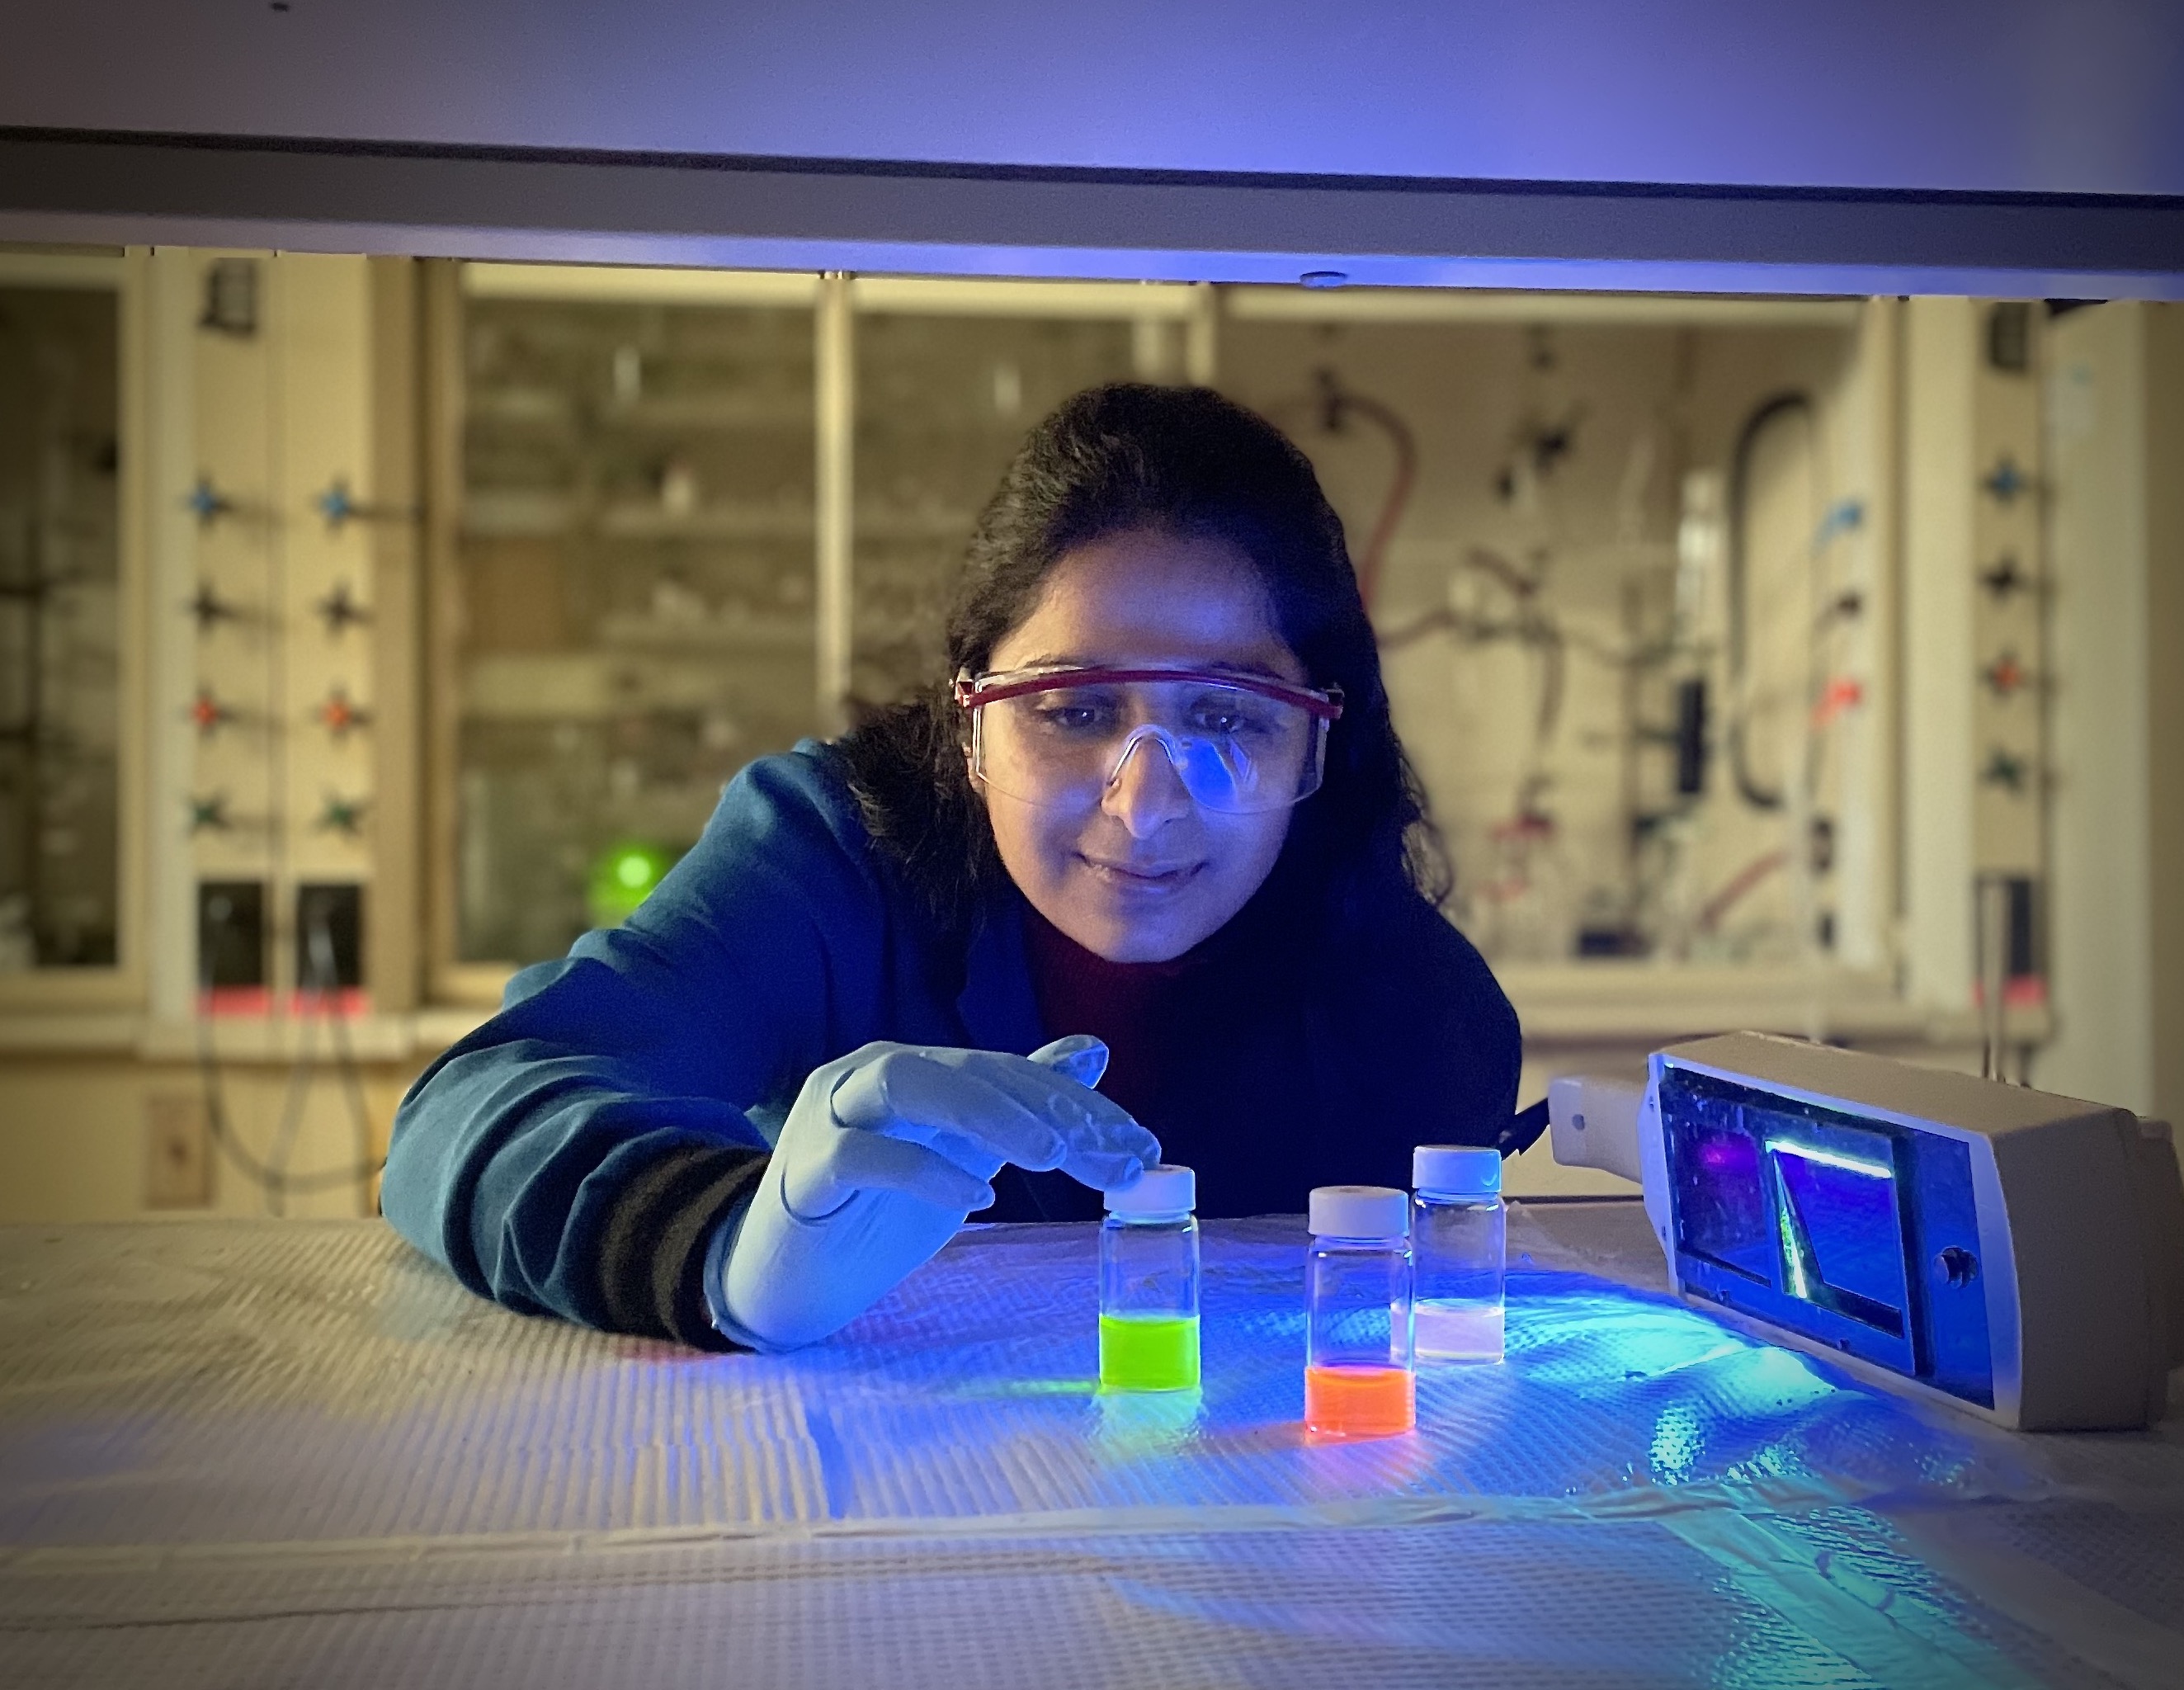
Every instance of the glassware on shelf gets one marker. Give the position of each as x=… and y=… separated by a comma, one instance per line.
x=943, y=403
x=60, y=622
x=635, y=583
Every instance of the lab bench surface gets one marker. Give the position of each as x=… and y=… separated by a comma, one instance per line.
x=241, y=1453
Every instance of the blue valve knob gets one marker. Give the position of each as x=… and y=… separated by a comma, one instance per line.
x=1844, y=516
x=337, y=506
x=2005, y=481
x=207, y=502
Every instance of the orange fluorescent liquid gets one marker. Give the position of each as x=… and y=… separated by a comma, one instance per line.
x=1359, y=1402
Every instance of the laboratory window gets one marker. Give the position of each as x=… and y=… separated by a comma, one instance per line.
x=59, y=630
x=1617, y=560
x=631, y=620
x=1619, y=555
x=943, y=403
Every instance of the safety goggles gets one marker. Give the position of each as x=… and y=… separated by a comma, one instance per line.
x=1062, y=736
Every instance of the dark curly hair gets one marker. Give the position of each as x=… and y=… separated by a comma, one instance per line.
x=1186, y=461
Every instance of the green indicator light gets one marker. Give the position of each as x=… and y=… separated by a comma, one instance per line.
x=1147, y=1352
x=622, y=877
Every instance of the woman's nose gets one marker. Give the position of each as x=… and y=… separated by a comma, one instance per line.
x=1146, y=789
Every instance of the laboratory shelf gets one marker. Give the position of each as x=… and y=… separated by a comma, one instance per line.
x=714, y=523
x=498, y=514
x=616, y=684
x=523, y=406
x=880, y=524
x=550, y=515
x=719, y=634
x=555, y=408
x=703, y=411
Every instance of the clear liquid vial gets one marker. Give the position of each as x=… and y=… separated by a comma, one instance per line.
x=1148, y=1282
x=1458, y=1238
x=1358, y=1380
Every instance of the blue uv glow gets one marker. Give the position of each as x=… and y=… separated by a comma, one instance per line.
x=1829, y=1158
x=1678, y=1441
x=1609, y=1340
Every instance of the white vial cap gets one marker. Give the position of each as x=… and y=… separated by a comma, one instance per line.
x=1456, y=1170
x=1359, y=1211
x=1168, y=1189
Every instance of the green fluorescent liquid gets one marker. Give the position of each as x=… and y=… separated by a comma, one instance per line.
x=1148, y=1352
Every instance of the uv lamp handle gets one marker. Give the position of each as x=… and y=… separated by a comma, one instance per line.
x=1614, y=1126
x=1594, y=1121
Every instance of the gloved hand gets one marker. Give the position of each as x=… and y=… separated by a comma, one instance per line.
x=887, y=1151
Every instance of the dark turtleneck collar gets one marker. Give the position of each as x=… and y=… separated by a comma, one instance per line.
x=1134, y=1007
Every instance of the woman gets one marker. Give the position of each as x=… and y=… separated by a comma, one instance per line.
x=1161, y=818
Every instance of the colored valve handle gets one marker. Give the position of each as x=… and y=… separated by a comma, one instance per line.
x=2006, y=577
x=2006, y=481
x=2006, y=676
x=207, y=503
x=336, y=503
x=340, y=507
x=340, y=715
x=2006, y=770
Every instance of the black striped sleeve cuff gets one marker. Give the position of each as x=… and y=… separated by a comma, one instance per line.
x=651, y=1256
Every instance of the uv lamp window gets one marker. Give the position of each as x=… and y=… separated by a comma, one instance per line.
x=1860, y=1236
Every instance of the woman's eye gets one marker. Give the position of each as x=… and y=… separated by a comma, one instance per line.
x=1227, y=715
x=1074, y=716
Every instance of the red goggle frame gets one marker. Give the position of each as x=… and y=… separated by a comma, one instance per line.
x=1324, y=703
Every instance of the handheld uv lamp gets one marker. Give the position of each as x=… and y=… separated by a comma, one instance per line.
x=2013, y=1254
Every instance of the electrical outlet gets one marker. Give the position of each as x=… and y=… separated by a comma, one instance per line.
x=231, y=949
x=177, y=1151
x=329, y=936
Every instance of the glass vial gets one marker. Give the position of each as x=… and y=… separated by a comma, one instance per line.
x=1358, y=1381
x=1148, y=1282
x=1457, y=1240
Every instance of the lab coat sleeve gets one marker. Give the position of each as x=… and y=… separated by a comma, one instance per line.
x=578, y=1153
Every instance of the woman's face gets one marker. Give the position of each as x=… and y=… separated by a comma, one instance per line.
x=1139, y=873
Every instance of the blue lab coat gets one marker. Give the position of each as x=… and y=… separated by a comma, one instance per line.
x=575, y=1153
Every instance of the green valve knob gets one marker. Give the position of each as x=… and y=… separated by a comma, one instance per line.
x=2004, y=770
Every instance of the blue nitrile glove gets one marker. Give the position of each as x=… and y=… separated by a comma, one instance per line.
x=884, y=1153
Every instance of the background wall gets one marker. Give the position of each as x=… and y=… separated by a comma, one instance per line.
x=2115, y=423
x=98, y=1137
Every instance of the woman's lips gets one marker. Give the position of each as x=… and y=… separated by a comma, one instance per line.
x=1131, y=876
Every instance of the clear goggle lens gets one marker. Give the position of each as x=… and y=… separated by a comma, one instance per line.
x=1056, y=737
